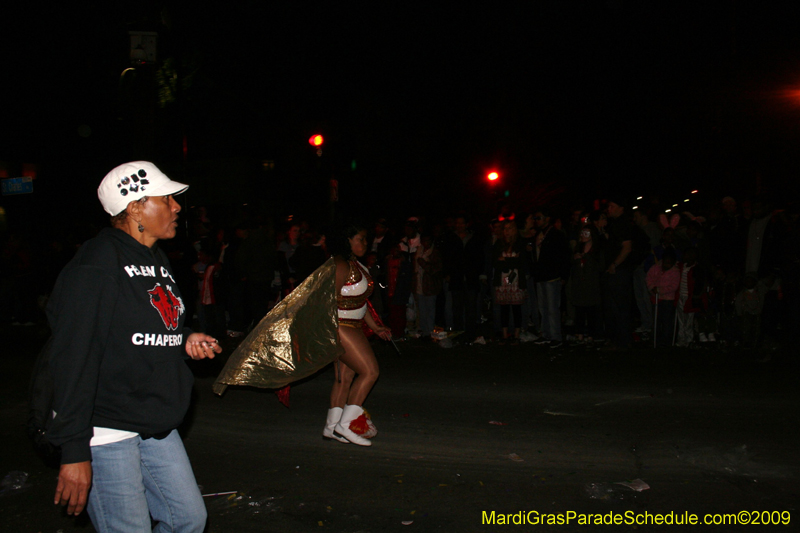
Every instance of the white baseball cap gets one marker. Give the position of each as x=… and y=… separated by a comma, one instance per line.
x=133, y=181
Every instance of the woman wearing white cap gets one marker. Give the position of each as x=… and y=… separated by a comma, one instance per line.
x=117, y=357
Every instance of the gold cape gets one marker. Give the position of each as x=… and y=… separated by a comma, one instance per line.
x=295, y=339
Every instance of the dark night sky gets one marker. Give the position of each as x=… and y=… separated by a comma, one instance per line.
x=591, y=96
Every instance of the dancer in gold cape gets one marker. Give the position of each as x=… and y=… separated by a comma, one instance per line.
x=318, y=323
x=357, y=368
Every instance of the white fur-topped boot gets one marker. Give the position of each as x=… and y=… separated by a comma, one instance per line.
x=334, y=415
x=350, y=413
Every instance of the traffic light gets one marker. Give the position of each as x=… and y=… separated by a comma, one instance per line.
x=315, y=140
x=492, y=176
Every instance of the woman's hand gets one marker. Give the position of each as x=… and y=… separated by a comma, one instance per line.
x=72, y=490
x=383, y=332
x=202, y=346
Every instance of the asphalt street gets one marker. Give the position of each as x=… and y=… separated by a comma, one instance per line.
x=518, y=431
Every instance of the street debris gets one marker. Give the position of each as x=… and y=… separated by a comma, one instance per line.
x=220, y=494
x=237, y=501
x=623, y=398
x=514, y=457
x=735, y=461
x=637, y=484
x=496, y=423
x=615, y=492
x=14, y=481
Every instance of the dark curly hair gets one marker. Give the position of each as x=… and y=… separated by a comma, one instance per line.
x=338, y=239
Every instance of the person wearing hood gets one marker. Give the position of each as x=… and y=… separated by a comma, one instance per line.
x=117, y=358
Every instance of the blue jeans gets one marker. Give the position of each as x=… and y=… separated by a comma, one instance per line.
x=135, y=479
x=549, y=295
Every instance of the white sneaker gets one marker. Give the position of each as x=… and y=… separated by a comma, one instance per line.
x=702, y=337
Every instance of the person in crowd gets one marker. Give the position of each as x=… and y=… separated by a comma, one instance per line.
x=709, y=319
x=667, y=243
x=121, y=384
x=375, y=271
x=256, y=264
x=357, y=368
x=380, y=245
x=381, y=238
x=691, y=292
x=288, y=247
x=618, y=278
x=410, y=240
x=211, y=312
x=572, y=230
x=427, y=282
x=530, y=307
x=399, y=273
x=234, y=285
x=599, y=219
x=727, y=237
x=694, y=237
x=464, y=261
x=551, y=267
x=587, y=267
x=749, y=306
x=487, y=277
x=642, y=218
x=308, y=256
x=765, y=251
x=663, y=281
x=510, y=268
x=408, y=245
x=727, y=287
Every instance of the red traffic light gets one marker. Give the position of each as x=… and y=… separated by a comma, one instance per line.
x=492, y=176
x=315, y=140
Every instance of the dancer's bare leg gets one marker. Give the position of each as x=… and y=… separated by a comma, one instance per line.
x=342, y=380
x=359, y=359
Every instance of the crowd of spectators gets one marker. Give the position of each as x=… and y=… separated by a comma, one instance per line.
x=605, y=275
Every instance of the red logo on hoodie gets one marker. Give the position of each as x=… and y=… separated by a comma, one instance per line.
x=169, y=306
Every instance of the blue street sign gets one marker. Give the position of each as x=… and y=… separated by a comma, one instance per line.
x=16, y=186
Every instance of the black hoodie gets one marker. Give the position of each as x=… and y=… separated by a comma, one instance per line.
x=117, y=356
